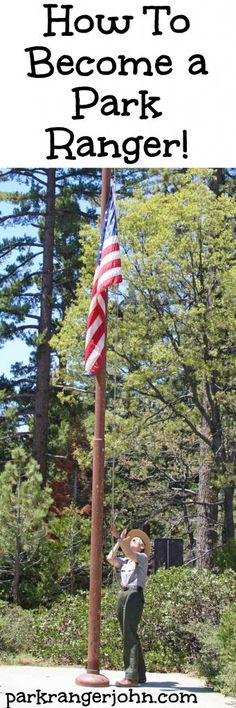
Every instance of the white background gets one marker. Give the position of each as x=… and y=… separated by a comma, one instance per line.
x=204, y=105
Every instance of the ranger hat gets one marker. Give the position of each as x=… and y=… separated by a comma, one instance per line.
x=144, y=538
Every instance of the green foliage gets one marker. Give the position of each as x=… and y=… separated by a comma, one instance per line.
x=218, y=651
x=23, y=504
x=208, y=660
x=226, y=681
x=183, y=598
x=174, y=335
x=22, y=223
x=15, y=629
x=227, y=644
x=177, y=603
x=225, y=557
x=64, y=564
x=61, y=563
x=23, y=510
x=227, y=632
x=172, y=331
x=61, y=633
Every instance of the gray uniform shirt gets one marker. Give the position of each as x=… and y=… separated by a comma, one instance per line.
x=133, y=574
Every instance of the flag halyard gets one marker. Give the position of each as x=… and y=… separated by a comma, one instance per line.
x=107, y=273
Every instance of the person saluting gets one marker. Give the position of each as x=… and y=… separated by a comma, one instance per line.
x=133, y=568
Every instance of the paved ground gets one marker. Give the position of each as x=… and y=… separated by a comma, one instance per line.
x=18, y=682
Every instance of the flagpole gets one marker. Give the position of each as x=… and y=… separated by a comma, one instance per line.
x=93, y=677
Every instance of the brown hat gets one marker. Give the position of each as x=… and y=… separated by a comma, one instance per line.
x=144, y=538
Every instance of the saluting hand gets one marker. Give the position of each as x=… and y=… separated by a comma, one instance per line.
x=123, y=534
x=116, y=533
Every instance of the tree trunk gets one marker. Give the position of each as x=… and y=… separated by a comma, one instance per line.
x=15, y=583
x=207, y=503
x=228, y=527
x=206, y=513
x=189, y=530
x=228, y=530
x=16, y=578
x=40, y=440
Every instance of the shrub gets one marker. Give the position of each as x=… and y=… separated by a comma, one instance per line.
x=226, y=679
x=177, y=600
x=183, y=599
x=60, y=634
x=208, y=660
x=182, y=608
x=218, y=651
x=15, y=628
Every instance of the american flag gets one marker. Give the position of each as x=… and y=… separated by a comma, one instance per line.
x=107, y=272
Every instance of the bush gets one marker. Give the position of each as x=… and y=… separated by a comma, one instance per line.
x=15, y=629
x=208, y=660
x=226, y=679
x=183, y=599
x=60, y=634
x=218, y=651
x=182, y=607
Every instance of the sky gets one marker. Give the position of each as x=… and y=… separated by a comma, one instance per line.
x=12, y=352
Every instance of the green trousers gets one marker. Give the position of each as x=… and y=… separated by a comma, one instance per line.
x=130, y=608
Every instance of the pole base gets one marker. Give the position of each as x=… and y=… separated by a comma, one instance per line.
x=93, y=680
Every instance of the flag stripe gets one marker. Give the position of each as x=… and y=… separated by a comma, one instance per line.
x=97, y=322
x=105, y=279
x=95, y=341
x=107, y=273
x=112, y=256
x=96, y=355
x=112, y=267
